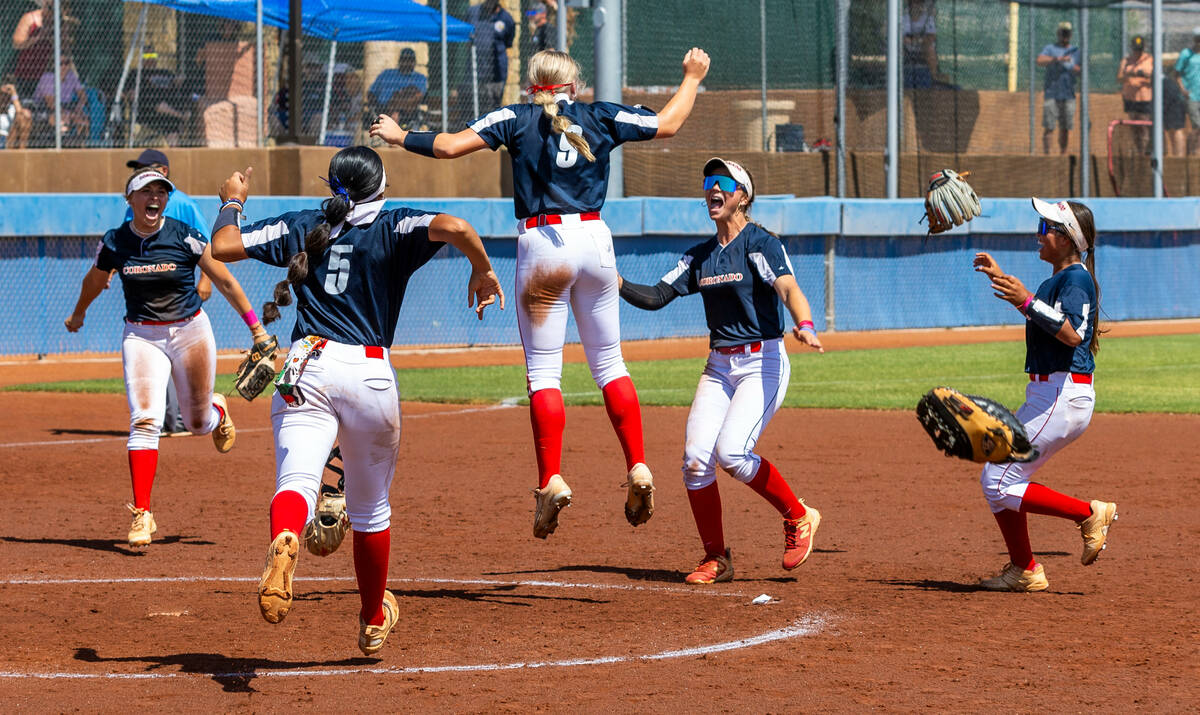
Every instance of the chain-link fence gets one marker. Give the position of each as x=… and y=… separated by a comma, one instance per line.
x=983, y=78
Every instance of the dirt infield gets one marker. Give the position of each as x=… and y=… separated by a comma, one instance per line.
x=883, y=617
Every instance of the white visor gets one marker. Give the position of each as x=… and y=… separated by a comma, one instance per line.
x=734, y=170
x=1060, y=212
x=145, y=178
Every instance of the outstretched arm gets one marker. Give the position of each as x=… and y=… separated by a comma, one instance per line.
x=644, y=296
x=483, y=287
x=232, y=290
x=672, y=117
x=440, y=145
x=94, y=283
x=797, y=305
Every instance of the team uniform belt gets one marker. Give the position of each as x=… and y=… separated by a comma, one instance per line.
x=163, y=322
x=551, y=219
x=1082, y=378
x=744, y=348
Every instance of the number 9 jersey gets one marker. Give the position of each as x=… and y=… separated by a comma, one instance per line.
x=353, y=293
x=549, y=175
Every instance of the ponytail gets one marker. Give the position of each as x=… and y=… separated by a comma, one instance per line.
x=561, y=124
x=550, y=70
x=355, y=174
x=1087, y=224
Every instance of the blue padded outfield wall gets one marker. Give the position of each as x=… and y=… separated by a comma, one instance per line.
x=884, y=272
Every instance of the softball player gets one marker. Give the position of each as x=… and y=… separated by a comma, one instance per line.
x=349, y=264
x=743, y=274
x=559, y=149
x=167, y=335
x=1061, y=338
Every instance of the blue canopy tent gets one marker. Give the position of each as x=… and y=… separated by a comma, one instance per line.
x=333, y=20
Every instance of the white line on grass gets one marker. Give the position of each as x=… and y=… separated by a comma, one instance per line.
x=807, y=626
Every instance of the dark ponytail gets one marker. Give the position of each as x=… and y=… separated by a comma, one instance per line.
x=1087, y=224
x=354, y=175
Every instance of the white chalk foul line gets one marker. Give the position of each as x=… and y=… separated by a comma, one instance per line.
x=807, y=626
x=93, y=440
x=692, y=591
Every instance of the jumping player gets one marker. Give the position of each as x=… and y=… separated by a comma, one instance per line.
x=743, y=275
x=349, y=264
x=167, y=334
x=560, y=149
x=1061, y=338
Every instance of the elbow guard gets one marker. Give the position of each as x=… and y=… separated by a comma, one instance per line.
x=647, y=297
x=1045, y=317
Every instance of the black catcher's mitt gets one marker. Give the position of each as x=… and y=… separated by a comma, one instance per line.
x=950, y=201
x=257, y=369
x=974, y=428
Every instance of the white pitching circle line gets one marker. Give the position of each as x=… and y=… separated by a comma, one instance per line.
x=804, y=627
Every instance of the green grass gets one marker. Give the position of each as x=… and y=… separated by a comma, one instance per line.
x=1154, y=374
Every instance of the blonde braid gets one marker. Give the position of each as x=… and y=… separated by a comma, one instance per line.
x=549, y=68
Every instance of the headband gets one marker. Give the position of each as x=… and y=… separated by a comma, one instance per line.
x=535, y=88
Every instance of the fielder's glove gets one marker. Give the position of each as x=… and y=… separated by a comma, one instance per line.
x=324, y=534
x=257, y=369
x=950, y=201
x=974, y=428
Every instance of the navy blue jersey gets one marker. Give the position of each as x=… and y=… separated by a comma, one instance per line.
x=353, y=292
x=1072, y=293
x=158, y=273
x=737, y=282
x=549, y=176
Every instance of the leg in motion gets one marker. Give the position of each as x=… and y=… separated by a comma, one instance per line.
x=147, y=370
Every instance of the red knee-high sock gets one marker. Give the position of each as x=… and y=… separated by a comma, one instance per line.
x=548, y=417
x=770, y=485
x=1016, y=537
x=1039, y=499
x=371, y=552
x=625, y=413
x=288, y=511
x=706, y=510
x=143, y=463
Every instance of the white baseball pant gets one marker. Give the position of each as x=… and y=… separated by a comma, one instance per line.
x=183, y=352
x=737, y=396
x=353, y=399
x=1055, y=413
x=571, y=262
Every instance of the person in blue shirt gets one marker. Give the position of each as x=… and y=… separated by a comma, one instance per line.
x=1062, y=336
x=1187, y=70
x=183, y=208
x=560, y=149
x=348, y=264
x=746, y=280
x=494, y=33
x=1061, y=61
x=399, y=92
x=167, y=334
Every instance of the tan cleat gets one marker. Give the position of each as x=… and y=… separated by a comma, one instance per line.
x=224, y=434
x=552, y=499
x=1094, y=529
x=639, y=502
x=1015, y=578
x=275, y=588
x=712, y=569
x=371, y=638
x=142, y=527
x=798, y=537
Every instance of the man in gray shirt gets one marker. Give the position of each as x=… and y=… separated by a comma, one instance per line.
x=1061, y=61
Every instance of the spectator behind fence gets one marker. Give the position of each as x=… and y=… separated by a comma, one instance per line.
x=920, y=46
x=400, y=92
x=165, y=103
x=540, y=30
x=1061, y=61
x=1134, y=75
x=76, y=122
x=228, y=109
x=1187, y=70
x=15, y=120
x=493, y=36
x=33, y=41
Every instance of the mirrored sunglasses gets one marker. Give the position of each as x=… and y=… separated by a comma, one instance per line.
x=1045, y=227
x=725, y=183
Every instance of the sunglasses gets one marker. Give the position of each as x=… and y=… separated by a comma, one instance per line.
x=725, y=183
x=1045, y=227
